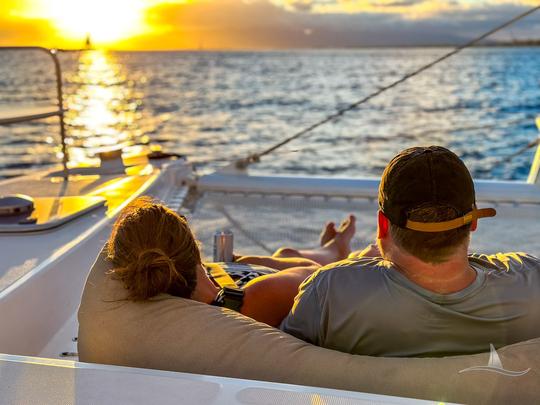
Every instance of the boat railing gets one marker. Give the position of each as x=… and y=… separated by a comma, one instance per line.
x=34, y=113
x=534, y=174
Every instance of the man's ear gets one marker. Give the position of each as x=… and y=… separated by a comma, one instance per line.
x=474, y=225
x=384, y=225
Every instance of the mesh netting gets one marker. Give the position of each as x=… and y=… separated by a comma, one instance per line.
x=262, y=224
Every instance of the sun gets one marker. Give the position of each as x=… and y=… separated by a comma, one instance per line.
x=106, y=21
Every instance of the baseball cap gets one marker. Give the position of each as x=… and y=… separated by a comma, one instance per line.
x=423, y=176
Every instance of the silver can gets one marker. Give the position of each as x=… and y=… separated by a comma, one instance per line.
x=223, y=246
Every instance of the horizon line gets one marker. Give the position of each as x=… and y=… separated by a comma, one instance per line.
x=535, y=43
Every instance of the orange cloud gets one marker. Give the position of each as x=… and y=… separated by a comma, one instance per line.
x=27, y=32
x=223, y=24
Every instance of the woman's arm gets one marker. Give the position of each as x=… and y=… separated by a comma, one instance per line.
x=269, y=298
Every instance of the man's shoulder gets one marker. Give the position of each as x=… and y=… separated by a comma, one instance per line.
x=510, y=261
x=357, y=266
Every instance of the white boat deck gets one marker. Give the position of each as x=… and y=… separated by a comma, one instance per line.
x=42, y=274
x=47, y=381
x=15, y=248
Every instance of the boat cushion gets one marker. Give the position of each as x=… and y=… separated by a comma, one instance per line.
x=175, y=334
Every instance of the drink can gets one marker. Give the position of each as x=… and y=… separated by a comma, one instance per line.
x=223, y=246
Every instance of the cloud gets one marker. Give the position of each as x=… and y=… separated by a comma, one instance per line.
x=240, y=24
x=362, y=6
x=398, y=3
x=26, y=31
x=304, y=6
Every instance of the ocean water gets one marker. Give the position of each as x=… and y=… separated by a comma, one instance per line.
x=216, y=106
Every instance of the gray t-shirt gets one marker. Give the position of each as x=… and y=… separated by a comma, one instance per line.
x=365, y=306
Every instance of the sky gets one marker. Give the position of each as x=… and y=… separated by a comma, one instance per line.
x=257, y=24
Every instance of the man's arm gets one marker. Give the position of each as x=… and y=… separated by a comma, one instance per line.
x=304, y=320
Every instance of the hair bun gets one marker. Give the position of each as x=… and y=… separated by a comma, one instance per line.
x=152, y=272
x=153, y=252
x=152, y=257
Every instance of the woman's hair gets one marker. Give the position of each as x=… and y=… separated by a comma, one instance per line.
x=153, y=251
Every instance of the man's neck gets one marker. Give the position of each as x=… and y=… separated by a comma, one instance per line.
x=443, y=278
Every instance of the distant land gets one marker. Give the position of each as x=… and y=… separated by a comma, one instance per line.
x=524, y=42
x=485, y=43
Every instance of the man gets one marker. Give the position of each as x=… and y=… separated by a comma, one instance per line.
x=419, y=293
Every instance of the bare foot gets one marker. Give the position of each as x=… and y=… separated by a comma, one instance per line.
x=342, y=241
x=333, y=250
x=328, y=233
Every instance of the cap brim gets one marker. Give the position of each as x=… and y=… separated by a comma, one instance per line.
x=453, y=224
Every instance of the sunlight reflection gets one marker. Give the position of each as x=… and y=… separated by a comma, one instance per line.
x=103, y=108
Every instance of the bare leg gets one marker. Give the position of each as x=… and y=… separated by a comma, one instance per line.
x=277, y=263
x=335, y=244
x=327, y=234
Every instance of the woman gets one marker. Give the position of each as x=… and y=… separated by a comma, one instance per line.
x=153, y=251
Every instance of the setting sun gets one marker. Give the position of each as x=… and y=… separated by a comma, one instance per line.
x=104, y=20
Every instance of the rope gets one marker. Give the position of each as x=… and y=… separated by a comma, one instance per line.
x=256, y=157
x=521, y=121
x=507, y=159
x=234, y=159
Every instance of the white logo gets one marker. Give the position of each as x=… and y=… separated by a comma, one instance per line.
x=495, y=366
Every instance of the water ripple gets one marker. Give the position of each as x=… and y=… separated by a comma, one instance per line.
x=216, y=105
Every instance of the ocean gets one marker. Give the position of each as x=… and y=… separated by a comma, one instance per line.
x=217, y=106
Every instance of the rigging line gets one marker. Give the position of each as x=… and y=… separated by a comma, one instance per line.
x=234, y=159
x=524, y=149
x=423, y=133
x=243, y=163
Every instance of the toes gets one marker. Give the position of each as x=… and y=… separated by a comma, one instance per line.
x=351, y=219
x=348, y=226
x=328, y=233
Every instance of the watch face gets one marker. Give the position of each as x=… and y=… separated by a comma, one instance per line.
x=233, y=291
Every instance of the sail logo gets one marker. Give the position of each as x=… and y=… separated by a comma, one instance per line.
x=495, y=366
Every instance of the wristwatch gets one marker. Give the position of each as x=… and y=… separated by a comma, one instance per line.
x=231, y=298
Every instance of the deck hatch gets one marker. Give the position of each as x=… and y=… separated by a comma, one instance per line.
x=50, y=212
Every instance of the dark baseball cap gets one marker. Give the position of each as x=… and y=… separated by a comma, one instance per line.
x=422, y=176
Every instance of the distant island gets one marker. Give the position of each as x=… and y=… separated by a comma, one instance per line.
x=516, y=42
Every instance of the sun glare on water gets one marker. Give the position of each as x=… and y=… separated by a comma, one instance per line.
x=106, y=21
x=102, y=107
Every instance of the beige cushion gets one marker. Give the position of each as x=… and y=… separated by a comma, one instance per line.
x=176, y=334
